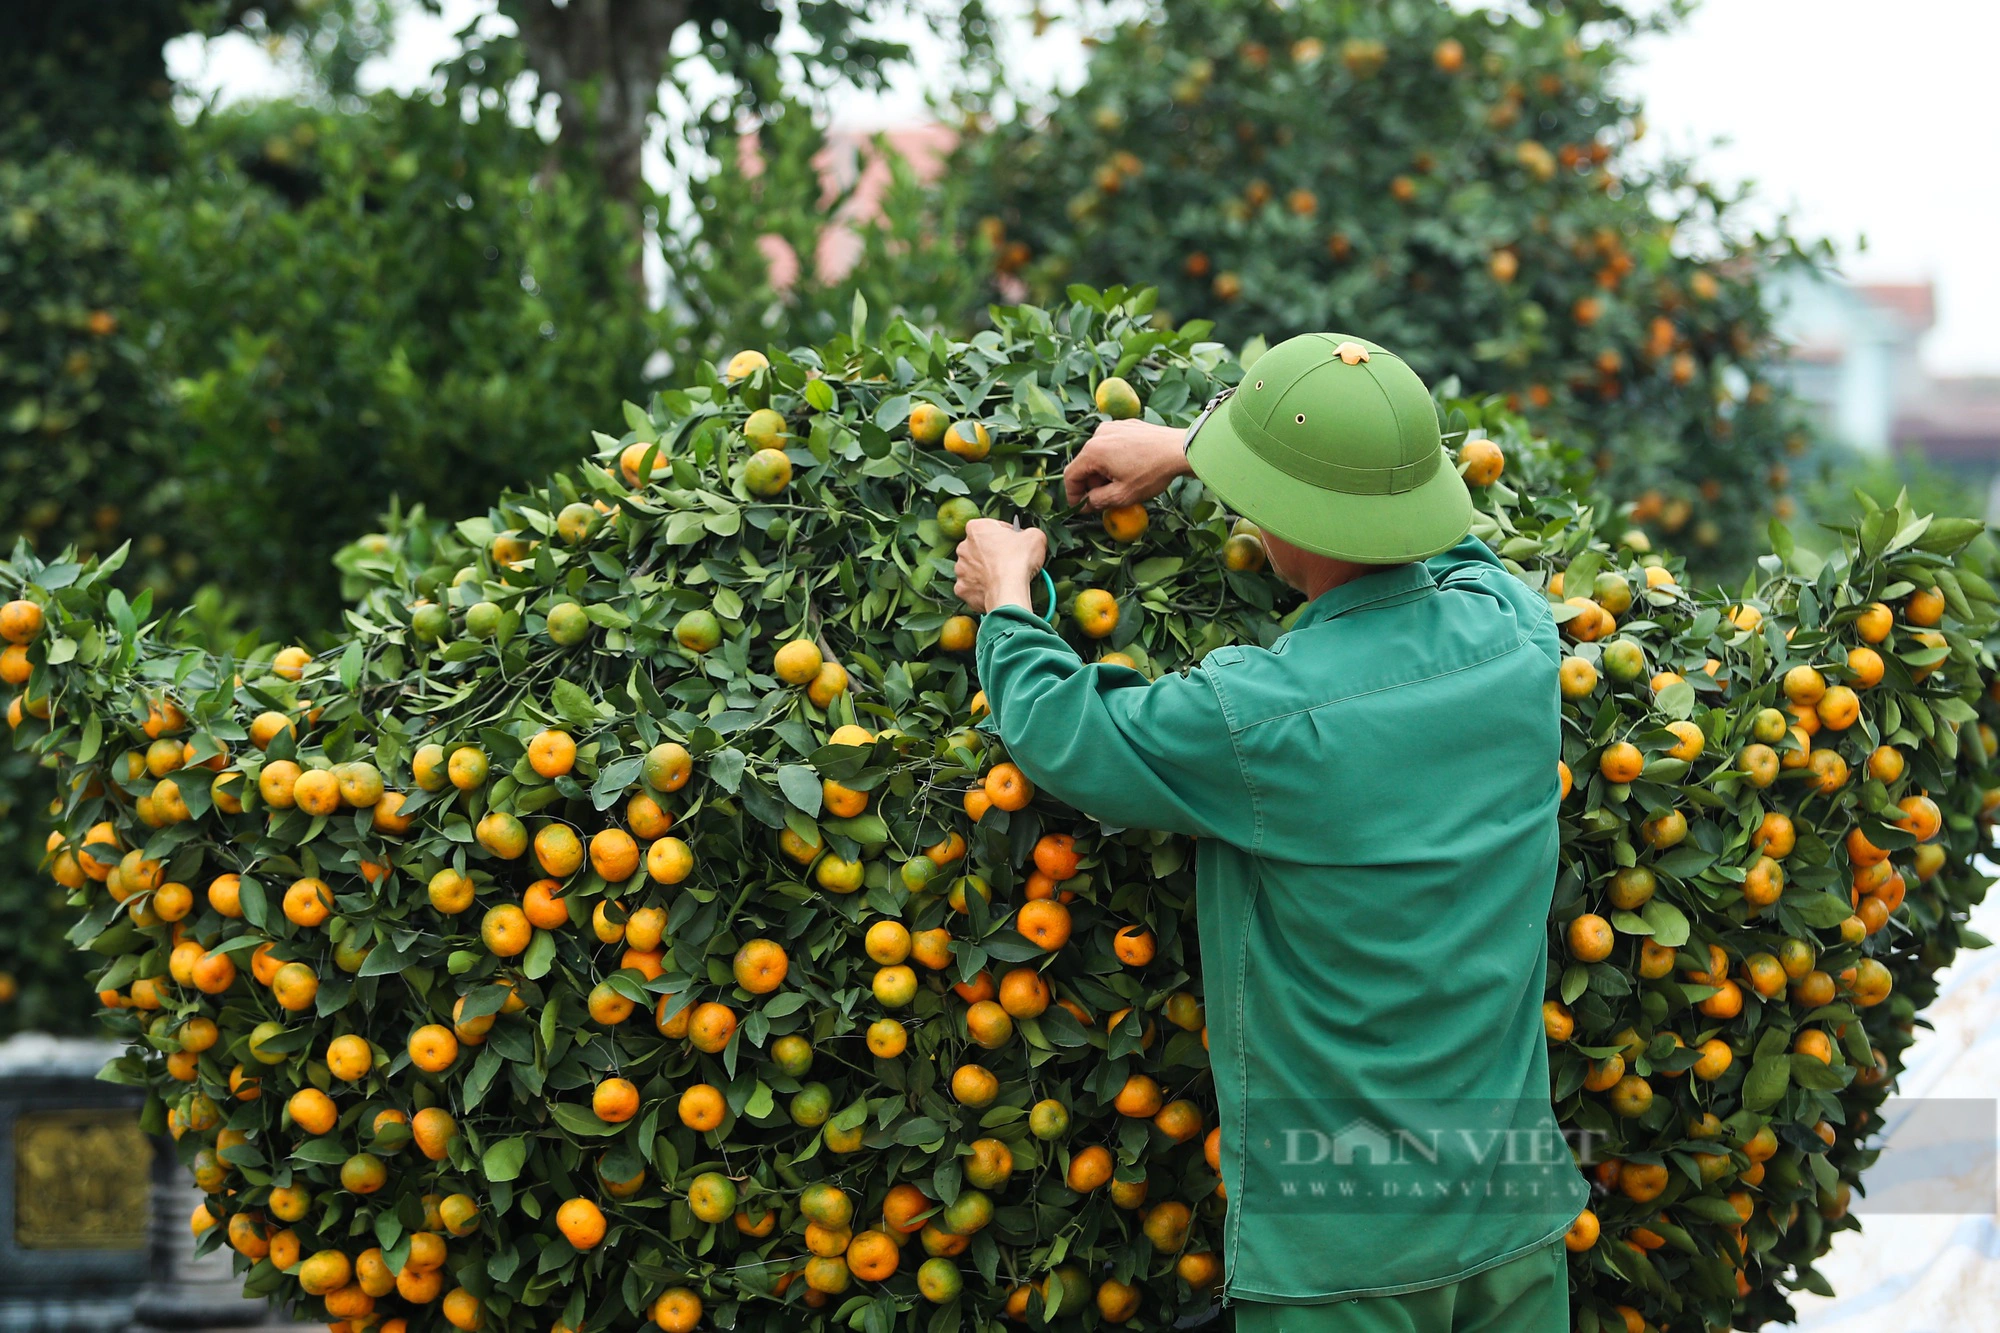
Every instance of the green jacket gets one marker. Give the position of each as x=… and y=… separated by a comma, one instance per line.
x=1375, y=799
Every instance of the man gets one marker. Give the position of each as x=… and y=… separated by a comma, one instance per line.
x=1375, y=802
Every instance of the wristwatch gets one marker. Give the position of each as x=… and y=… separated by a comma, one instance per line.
x=1187, y=441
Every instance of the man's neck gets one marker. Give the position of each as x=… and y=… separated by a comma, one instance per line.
x=1314, y=574
x=1325, y=575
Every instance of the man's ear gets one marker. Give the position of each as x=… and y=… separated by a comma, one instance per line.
x=1284, y=562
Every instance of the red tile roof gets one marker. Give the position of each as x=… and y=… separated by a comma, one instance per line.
x=1915, y=302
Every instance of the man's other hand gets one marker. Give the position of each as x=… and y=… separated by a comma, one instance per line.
x=1125, y=463
x=997, y=562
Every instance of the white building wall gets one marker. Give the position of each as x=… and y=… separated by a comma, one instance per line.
x=1858, y=359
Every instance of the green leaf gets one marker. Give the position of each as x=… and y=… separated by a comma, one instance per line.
x=572, y=705
x=1781, y=541
x=870, y=830
x=1810, y=1072
x=1948, y=536
x=1709, y=1209
x=327, y=1151
x=1582, y=573
x=783, y=1004
x=725, y=769
x=1876, y=530
x=1670, y=925
x=385, y=959
x=541, y=955
x=1909, y=533
x=481, y=1001
x=1664, y=768
x=503, y=1160
x=1954, y=596
x=801, y=787
x=582, y=1121
x=614, y=778
x=1820, y=910
x=1684, y=862
x=920, y=1130
x=1766, y=1082
x=250, y=896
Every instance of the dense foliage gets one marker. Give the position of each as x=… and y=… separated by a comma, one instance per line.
x=84, y=464
x=90, y=81
x=41, y=974
x=426, y=319
x=1457, y=183
x=628, y=921
x=234, y=366
x=85, y=451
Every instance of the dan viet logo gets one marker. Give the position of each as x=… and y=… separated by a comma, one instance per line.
x=1937, y=1157
x=1427, y=1158
x=1365, y=1143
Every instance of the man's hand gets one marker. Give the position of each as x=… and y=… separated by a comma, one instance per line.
x=1125, y=463
x=997, y=564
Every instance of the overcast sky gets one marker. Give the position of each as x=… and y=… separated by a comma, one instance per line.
x=1861, y=122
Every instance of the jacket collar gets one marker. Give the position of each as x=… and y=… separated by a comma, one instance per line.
x=1396, y=585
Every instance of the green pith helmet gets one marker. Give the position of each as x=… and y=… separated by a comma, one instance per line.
x=1331, y=444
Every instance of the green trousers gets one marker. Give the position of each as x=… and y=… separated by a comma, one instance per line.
x=1525, y=1295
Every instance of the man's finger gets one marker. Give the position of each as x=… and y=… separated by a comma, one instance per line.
x=1109, y=496
x=1081, y=487
x=1083, y=473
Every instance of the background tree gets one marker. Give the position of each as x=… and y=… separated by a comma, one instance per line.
x=372, y=300
x=424, y=317
x=84, y=126
x=1461, y=184
x=201, y=326
x=604, y=62
x=92, y=79
x=89, y=79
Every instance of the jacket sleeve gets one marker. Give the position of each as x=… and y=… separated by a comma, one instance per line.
x=1129, y=753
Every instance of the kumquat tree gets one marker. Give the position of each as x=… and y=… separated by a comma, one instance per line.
x=626, y=920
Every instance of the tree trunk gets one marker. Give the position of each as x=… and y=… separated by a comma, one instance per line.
x=603, y=60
